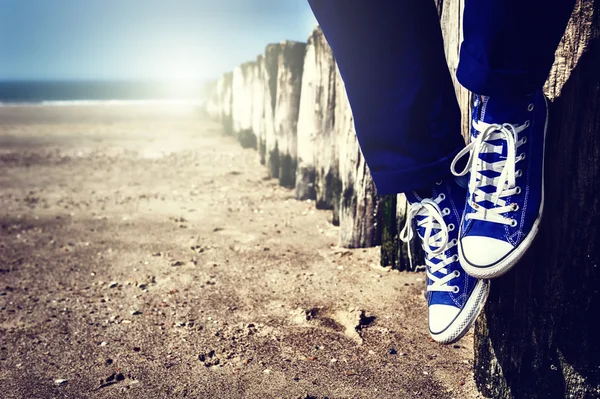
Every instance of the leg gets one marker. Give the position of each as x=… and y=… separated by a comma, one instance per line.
x=509, y=45
x=407, y=120
x=506, y=55
x=390, y=55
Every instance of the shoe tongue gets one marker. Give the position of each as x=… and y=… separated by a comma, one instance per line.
x=412, y=197
x=455, y=187
x=503, y=109
x=418, y=195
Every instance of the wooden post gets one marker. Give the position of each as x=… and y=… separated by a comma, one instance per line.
x=400, y=255
x=538, y=337
x=269, y=80
x=227, y=98
x=271, y=150
x=318, y=160
x=218, y=105
x=358, y=201
x=451, y=23
x=242, y=86
x=389, y=231
x=289, y=83
x=259, y=90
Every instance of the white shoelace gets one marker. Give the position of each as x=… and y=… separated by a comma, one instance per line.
x=434, y=243
x=505, y=183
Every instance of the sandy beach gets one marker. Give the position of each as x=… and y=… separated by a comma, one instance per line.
x=143, y=254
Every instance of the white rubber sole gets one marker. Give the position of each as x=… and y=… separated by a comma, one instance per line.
x=465, y=319
x=517, y=253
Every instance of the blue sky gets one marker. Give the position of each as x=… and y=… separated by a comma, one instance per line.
x=141, y=39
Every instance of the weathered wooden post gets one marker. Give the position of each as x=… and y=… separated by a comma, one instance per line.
x=388, y=206
x=269, y=81
x=318, y=162
x=289, y=84
x=219, y=101
x=358, y=201
x=227, y=101
x=259, y=90
x=538, y=337
x=401, y=256
x=242, y=103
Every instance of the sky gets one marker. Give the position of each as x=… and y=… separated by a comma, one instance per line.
x=141, y=39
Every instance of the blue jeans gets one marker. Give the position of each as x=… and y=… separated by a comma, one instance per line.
x=391, y=58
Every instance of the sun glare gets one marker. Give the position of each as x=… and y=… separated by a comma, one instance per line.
x=178, y=75
x=181, y=69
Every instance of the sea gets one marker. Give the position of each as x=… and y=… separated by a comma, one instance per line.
x=67, y=92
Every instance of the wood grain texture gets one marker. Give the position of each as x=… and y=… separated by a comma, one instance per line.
x=318, y=159
x=451, y=23
x=244, y=79
x=287, y=104
x=267, y=145
x=358, y=200
x=259, y=93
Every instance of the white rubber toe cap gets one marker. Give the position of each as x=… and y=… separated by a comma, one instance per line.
x=484, y=251
x=440, y=317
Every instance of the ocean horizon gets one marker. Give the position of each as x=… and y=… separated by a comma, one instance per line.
x=92, y=92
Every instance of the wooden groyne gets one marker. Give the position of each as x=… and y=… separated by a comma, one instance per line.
x=290, y=104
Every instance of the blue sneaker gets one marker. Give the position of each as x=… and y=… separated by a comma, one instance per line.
x=506, y=183
x=454, y=298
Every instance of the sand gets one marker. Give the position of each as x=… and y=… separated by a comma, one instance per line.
x=143, y=254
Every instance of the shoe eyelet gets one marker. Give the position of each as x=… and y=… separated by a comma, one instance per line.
x=519, y=173
x=518, y=190
x=522, y=156
x=454, y=241
x=524, y=140
x=527, y=123
x=439, y=183
x=530, y=107
x=445, y=211
x=451, y=227
x=455, y=289
x=514, y=207
x=513, y=223
x=442, y=197
x=456, y=273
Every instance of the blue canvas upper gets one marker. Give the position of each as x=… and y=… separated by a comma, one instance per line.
x=527, y=119
x=451, y=208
